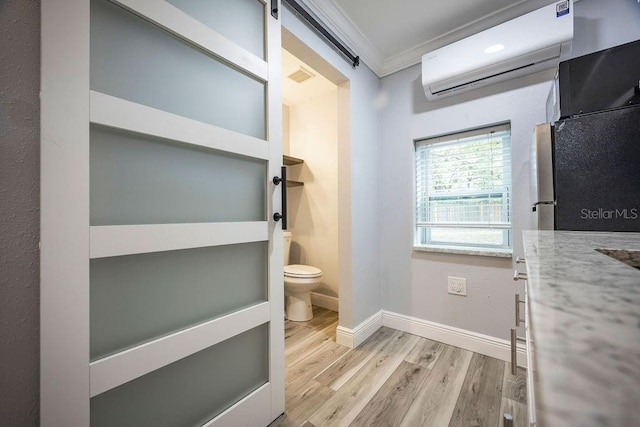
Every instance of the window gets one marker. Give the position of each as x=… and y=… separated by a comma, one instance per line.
x=463, y=190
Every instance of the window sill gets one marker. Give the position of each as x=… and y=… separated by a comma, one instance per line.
x=461, y=250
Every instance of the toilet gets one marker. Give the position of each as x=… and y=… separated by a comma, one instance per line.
x=299, y=281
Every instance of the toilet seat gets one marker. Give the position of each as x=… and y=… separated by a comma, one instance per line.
x=302, y=271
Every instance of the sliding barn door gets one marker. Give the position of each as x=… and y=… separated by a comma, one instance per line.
x=161, y=265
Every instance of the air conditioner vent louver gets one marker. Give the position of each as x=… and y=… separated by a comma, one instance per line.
x=529, y=43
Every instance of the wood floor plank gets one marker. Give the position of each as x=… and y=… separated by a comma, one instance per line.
x=515, y=387
x=379, y=383
x=330, y=330
x=290, y=326
x=294, y=335
x=322, y=322
x=316, y=361
x=345, y=405
x=436, y=399
x=309, y=348
x=344, y=368
x=480, y=397
x=321, y=317
x=517, y=410
x=389, y=405
x=425, y=353
x=302, y=399
x=303, y=348
x=305, y=400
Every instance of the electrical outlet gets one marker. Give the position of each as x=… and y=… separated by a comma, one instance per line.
x=457, y=286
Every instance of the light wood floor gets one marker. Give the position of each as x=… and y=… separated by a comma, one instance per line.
x=393, y=379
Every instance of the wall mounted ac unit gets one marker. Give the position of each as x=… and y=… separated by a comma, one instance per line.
x=529, y=43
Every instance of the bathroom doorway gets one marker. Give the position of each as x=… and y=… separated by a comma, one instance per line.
x=316, y=131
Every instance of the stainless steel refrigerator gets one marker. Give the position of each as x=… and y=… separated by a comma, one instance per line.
x=586, y=172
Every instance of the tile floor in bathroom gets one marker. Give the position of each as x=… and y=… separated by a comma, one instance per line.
x=392, y=379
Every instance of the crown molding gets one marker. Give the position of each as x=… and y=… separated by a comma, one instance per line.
x=413, y=56
x=332, y=15
x=403, y=60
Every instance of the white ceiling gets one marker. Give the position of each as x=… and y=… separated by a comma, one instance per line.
x=390, y=35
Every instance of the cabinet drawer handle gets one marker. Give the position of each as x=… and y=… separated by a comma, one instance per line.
x=514, y=351
x=520, y=260
x=518, y=302
x=514, y=355
x=519, y=276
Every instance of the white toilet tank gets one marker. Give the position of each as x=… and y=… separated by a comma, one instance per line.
x=287, y=246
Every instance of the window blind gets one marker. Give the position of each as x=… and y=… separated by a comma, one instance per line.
x=463, y=189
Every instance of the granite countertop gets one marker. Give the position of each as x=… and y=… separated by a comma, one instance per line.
x=585, y=324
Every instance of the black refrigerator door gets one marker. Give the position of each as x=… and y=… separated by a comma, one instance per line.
x=597, y=171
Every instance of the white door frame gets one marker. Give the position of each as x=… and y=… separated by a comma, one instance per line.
x=68, y=242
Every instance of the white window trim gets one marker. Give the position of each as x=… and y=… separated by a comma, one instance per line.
x=465, y=250
x=461, y=249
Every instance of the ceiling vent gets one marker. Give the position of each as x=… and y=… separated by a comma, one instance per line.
x=301, y=75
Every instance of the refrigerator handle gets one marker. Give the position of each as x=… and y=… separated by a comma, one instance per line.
x=546, y=202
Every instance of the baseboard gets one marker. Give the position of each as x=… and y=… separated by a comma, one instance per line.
x=324, y=301
x=354, y=337
x=472, y=341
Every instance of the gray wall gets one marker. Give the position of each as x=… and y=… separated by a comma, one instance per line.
x=19, y=211
x=414, y=283
x=601, y=24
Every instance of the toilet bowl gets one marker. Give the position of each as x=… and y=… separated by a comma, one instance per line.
x=299, y=281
